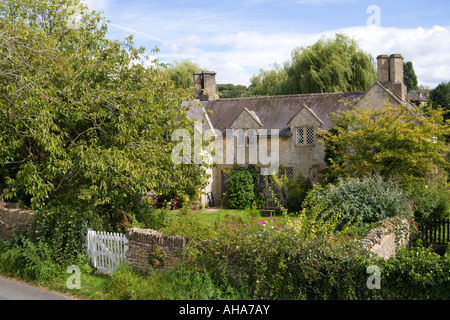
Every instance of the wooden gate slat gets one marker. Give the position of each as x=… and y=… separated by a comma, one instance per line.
x=106, y=250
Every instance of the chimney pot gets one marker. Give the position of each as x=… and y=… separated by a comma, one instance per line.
x=205, y=85
x=390, y=73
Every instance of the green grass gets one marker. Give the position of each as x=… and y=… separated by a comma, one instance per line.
x=223, y=215
x=127, y=284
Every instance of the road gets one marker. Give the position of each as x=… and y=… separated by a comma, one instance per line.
x=12, y=290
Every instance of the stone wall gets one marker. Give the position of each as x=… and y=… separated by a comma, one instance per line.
x=12, y=217
x=150, y=249
x=390, y=234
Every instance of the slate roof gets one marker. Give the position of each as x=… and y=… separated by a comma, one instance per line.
x=275, y=112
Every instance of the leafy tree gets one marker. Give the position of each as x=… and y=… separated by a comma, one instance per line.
x=231, y=91
x=80, y=116
x=329, y=65
x=398, y=142
x=182, y=73
x=440, y=96
x=268, y=82
x=409, y=76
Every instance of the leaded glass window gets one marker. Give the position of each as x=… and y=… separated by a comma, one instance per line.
x=240, y=137
x=309, y=135
x=251, y=137
x=300, y=136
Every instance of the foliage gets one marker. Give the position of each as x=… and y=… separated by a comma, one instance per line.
x=175, y=284
x=298, y=190
x=32, y=261
x=320, y=217
x=275, y=264
x=268, y=82
x=182, y=73
x=440, y=96
x=226, y=91
x=430, y=202
x=152, y=218
x=185, y=223
x=418, y=273
x=240, y=189
x=369, y=200
x=63, y=228
x=80, y=115
x=394, y=141
x=409, y=76
x=329, y=65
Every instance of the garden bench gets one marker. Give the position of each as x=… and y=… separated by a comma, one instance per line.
x=269, y=207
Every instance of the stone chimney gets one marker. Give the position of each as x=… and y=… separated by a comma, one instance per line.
x=390, y=74
x=205, y=85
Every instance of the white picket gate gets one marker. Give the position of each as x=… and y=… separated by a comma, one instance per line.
x=106, y=250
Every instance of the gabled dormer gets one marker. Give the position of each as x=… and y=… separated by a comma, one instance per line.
x=304, y=126
x=246, y=120
x=245, y=127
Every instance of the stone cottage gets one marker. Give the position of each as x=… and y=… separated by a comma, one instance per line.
x=249, y=125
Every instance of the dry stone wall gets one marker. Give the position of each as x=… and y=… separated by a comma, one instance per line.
x=12, y=217
x=149, y=249
x=390, y=234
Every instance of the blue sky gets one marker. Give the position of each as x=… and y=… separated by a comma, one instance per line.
x=238, y=38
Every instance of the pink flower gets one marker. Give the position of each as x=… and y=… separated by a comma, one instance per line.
x=250, y=217
x=216, y=253
x=245, y=224
x=276, y=226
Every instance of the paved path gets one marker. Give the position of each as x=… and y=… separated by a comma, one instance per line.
x=210, y=210
x=12, y=290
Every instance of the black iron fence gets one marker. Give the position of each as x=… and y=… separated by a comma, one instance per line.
x=436, y=231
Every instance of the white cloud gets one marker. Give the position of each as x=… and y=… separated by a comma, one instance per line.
x=97, y=5
x=246, y=53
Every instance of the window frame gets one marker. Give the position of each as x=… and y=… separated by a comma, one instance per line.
x=304, y=141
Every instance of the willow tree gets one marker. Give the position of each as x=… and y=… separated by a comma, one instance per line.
x=329, y=65
x=81, y=117
x=182, y=73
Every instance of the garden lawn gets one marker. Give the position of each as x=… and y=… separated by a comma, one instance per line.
x=243, y=216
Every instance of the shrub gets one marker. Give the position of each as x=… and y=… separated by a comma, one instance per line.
x=278, y=265
x=418, y=273
x=152, y=218
x=269, y=264
x=370, y=200
x=429, y=202
x=64, y=228
x=240, y=190
x=23, y=258
x=297, y=191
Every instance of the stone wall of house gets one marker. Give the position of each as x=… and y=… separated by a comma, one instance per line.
x=12, y=217
x=390, y=234
x=149, y=249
